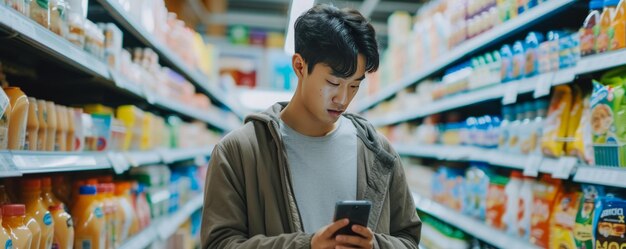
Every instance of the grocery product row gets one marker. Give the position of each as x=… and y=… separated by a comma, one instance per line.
x=438, y=38
x=136, y=70
x=518, y=211
x=101, y=211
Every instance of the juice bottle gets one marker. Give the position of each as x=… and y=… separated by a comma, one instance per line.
x=19, y=116
x=37, y=212
x=109, y=213
x=603, y=36
x=61, y=143
x=116, y=216
x=61, y=188
x=13, y=217
x=32, y=125
x=4, y=121
x=130, y=224
x=63, y=223
x=5, y=237
x=31, y=222
x=525, y=207
x=512, y=191
x=52, y=126
x=89, y=220
x=618, y=27
x=43, y=125
x=586, y=32
x=142, y=207
x=71, y=130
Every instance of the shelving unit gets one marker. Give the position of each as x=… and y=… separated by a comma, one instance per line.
x=470, y=225
x=608, y=176
x=17, y=163
x=484, y=40
x=163, y=228
x=134, y=28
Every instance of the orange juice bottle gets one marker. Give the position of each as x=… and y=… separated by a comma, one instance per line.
x=603, y=28
x=63, y=224
x=43, y=125
x=109, y=214
x=37, y=213
x=19, y=116
x=130, y=224
x=61, y=143
x=5, y=238
x=13, y=217
x=114, y=219
x=88, y=220
x=618, y=27
x=52, y=126
x=71, y=130
x=32, y=125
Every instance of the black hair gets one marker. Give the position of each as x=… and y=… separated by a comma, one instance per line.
x=334, y=37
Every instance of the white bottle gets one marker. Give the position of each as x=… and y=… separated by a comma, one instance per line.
x=512, y=190
x=525, y=208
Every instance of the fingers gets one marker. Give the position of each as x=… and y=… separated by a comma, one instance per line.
x=333, y=228
x=363, y=231
x=357, y=241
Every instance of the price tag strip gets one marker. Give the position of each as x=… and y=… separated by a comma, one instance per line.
x=532, y=164
x=543, y=85
x=564, y=167
x=510, y=94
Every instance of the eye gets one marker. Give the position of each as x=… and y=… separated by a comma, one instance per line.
x=355, y=86
x=332, y=83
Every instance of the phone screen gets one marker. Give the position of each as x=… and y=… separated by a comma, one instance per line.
x=356, y=211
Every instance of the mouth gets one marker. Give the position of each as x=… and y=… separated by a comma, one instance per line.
x=335, y=113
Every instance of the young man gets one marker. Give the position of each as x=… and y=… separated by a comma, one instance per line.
x=274, y=182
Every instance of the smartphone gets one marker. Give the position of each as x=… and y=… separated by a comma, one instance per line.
x=357, y=212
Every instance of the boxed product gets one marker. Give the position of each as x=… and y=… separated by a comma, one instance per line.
x=607, y=119
x=583, y=229
x=544, y=198
x=496, y=201
x=609, y=225
x=556, y=124
x=563, y=219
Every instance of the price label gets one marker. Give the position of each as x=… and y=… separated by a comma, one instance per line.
x=120, y=165
x=8, y=167
x=532, y=164
x=510, y=94
x=564, y=167
x=543, y=85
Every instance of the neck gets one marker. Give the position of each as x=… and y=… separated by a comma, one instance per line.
x=299, y=118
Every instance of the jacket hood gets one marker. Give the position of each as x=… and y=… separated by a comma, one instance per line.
x=365, y=131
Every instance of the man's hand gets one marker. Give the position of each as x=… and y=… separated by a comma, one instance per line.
x=365, y=241
x=323, y=239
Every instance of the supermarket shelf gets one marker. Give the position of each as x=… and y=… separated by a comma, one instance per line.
x=487, y=39
x=470, y=225
x=522, y=86
x=202, y=115
x=136, y=30
x=601, y=175
x=168, y=227
x=163, y=228
x=18, y=163
x=49, y=43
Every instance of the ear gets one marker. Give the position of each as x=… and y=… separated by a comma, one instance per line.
x=299, y=66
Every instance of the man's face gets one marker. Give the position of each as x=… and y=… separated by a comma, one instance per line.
x=327, y=96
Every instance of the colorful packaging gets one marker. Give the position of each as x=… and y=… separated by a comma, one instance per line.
x=102, y=130
x=519, y=61
x=609, y=224
x=583, y=229
x=506, y=71
x=557, y=122
x=607, y=105
x=496, y=201
x=512, y=190
x=89, y=219
x=574, y=121
x=526, y=129
x=533, y=39
x=618, y=27
x=602, y=29
x=525, y=208
x=582, y=147
x=564, y=219
x=545, y=193
x=477, y=184
x=586, y=32
x=63, y=223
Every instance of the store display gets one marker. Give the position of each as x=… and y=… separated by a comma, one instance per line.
x=13, y=217
x=89, y=219
x=609, y=227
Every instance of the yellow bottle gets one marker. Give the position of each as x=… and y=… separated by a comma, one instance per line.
x=32, y=125
x=13, y=217
x=35, y=209
x=5, y=237
x=19, y=116
x=43, y=125
x=130, y=225
x=132, y=117
x=89, y=220
x=71, y=130
x=61, y=142
x=618, y=27
x=52, y=126
x=63, y=223
x=604, y=34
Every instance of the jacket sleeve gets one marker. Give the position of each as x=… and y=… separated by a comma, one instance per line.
x=406, y=226
x=225, y=216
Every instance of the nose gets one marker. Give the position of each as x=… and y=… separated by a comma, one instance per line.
x=341, y=96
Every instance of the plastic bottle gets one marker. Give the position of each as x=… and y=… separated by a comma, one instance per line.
x=43, y=125
x=519, y=60
x=618, y=27
x=527, y=144
x=71, y=130
x=506, y=71
x=142, y=207
x=19, y=116
x=586, y=32
x=541, y=107
x=89, y=220
x=58, y=17
x=37, y=212
x=13, y=221
x=52, y=126
x=4, y=123
x=32, y=221
x=40, y=12
x=5, y=237
x=130, y=224
x=61, y=143
x=110, y=210
x=507, y=119
x=533, y=39
x=603, y=37
x=514, y=139
x=525, y=206
x=32, y=125
x=512, y=191
x=63, y=223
